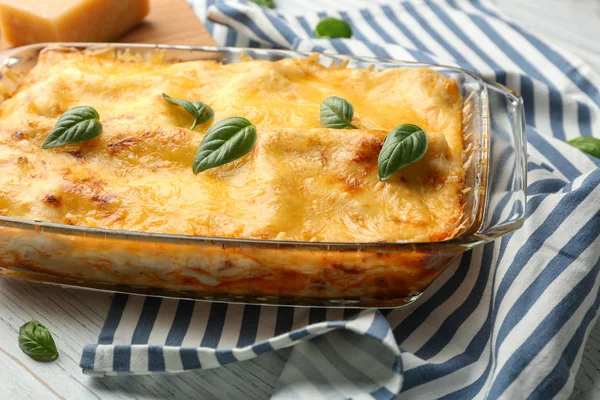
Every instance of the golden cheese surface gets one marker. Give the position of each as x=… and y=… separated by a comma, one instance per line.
x=299, y=182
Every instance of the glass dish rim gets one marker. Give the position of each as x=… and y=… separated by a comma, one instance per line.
x=467, y=239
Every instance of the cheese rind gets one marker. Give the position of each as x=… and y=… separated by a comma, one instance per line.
x=34, y=21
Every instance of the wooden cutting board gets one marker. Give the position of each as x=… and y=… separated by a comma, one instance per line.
x=169, y=22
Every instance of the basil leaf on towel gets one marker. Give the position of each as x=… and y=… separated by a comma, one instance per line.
x=336, y=113
x=200, y=111
x=587, y=144
x=225, y=141
x=265, y=3
x=76, y=125
x=404, y=145
x=333, y=28
x=36, y=341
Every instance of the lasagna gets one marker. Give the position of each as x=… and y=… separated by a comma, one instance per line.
x=300, y=182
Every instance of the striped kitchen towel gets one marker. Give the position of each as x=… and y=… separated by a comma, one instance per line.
x=508, y=320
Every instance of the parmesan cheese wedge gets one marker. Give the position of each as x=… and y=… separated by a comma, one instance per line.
x=34, y=21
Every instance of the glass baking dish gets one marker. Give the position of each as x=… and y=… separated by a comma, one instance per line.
x=273, y=271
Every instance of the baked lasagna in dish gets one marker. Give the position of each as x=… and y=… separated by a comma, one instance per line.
x=300, y=182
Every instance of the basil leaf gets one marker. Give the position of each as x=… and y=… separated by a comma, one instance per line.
x=336, y=113
x=265, y=3
x=587, y=144
x=225, y=141
x=79, y=124
x=404, y=145
x=200, y=111
x=333, y=28
x=205, y=113
x=36, y=341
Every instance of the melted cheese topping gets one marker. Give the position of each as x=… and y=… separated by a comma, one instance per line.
x=300, y=181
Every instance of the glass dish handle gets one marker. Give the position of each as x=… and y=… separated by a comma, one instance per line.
x=507, y=163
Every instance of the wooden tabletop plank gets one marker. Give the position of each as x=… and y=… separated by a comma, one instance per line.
x=30, y=385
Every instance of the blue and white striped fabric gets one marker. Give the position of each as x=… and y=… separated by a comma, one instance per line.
x=508, y=320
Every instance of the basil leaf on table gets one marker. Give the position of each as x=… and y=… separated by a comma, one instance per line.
x=36, y=341
x=76, y=125
x=264, y=3
x=200, y=111
x=333, y=28
x=404, y=145
x=587, y=144
x=225, y=141
x=336, y=113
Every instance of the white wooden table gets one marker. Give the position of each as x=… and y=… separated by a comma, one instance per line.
x=76, y=316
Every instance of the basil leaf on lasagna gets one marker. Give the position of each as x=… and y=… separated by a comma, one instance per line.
x=36, y=341
x=200, y=111
x=404, y=145
x=225, y=141
x=76, y=125
x=333, y=28
x=336, y=113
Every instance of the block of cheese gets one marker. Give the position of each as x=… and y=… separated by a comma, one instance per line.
x=33, y=21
